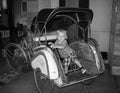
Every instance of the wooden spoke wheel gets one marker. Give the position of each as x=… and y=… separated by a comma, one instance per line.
x=16, y=57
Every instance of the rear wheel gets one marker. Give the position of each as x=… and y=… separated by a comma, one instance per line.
x=16, y=57
x=93, y=42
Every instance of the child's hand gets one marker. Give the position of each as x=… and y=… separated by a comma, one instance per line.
x=51, y=45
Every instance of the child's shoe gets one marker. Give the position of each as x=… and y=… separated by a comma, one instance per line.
x=83, y=70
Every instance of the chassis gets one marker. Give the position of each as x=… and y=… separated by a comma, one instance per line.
x=34, y=51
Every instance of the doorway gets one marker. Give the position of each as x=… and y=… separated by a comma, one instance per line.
x=114, y=44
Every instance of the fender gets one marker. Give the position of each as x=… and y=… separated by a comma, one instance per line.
x=96, y=57
x=46, y=62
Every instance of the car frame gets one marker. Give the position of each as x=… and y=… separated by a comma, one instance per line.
x=54, y=71
x=46, y=62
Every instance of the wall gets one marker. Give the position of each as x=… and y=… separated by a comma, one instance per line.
x=44, y=4
x=72, y=3
x=18, y=14
x=54, y=3
x=48, y=4
x=101, y=23
x=17, y=10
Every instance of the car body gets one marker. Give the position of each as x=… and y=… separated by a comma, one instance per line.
x=47, y=63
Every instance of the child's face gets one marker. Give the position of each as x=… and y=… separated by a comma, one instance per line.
x=61, y=37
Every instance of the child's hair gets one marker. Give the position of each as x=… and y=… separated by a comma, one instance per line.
x=62, y=33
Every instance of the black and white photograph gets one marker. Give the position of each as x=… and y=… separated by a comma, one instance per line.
x=59, y=46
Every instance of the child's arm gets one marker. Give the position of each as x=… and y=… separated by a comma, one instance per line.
x=59, y=46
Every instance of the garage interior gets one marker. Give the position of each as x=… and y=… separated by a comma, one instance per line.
x=104, y=27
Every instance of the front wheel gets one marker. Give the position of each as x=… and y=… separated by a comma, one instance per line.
x=16, y=57
x=89, y=81
x=43, y=84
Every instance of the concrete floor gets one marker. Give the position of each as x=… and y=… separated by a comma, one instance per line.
x=24, y=83
x=3, y=65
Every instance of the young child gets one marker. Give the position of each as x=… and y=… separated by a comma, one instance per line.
x=66, y=52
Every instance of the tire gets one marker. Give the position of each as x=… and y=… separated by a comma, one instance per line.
x=43, y=84
x=95, y=43
x=16, y=57
x=37, y=79
x=89, y=81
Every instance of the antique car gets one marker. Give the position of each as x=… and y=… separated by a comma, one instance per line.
x=35, y=52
